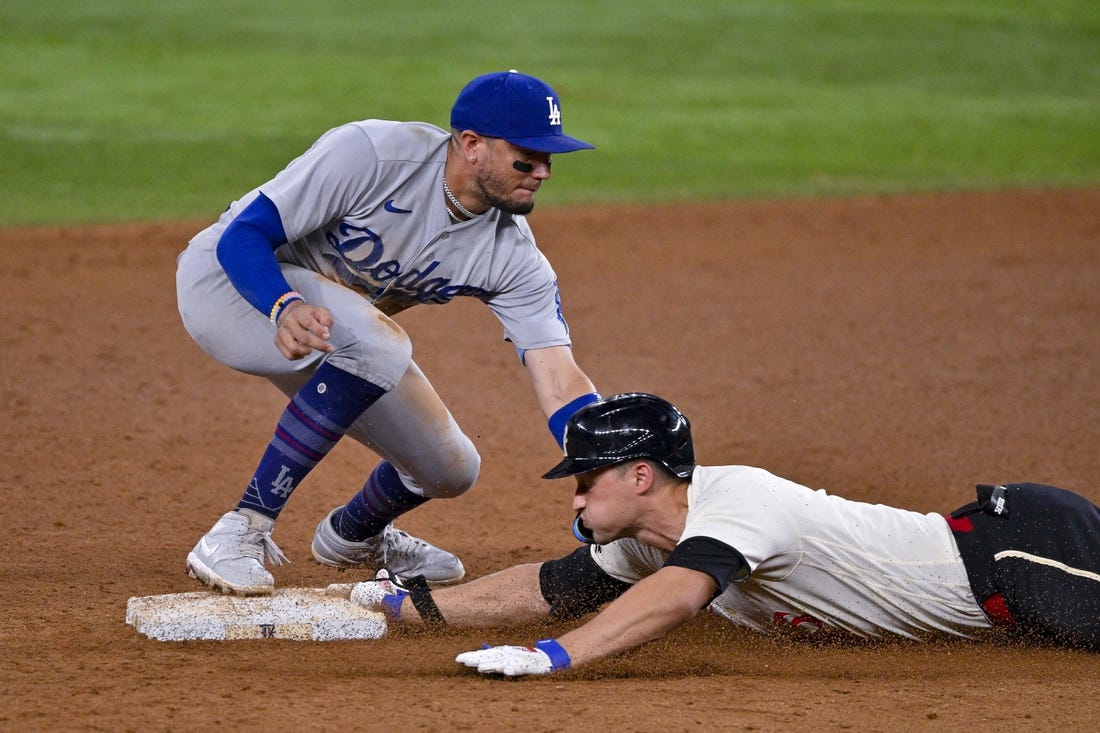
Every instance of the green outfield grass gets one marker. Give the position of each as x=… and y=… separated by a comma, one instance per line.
x=113, y=110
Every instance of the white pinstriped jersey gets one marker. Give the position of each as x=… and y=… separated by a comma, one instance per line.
x=818, y=560
x=364, y=206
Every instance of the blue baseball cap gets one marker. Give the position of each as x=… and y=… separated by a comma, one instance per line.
x=521, y=109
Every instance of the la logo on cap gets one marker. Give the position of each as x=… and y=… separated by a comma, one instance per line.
x=555, y=112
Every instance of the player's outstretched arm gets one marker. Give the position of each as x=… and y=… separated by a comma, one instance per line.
x=556, y=377
x=510, y=596
x=648, y=610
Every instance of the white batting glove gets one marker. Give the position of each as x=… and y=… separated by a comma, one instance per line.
x=515, y=661
x=381, y=594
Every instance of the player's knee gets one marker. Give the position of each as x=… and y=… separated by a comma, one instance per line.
x=461, y=478
x=452, y=479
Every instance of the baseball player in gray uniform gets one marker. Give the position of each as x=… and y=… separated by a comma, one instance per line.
x=670, y=538
x=298, y=280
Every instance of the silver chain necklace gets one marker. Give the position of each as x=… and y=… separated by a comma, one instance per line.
x=455, y=202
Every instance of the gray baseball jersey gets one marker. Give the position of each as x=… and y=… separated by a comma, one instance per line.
x=818, y=560
x=364, y=207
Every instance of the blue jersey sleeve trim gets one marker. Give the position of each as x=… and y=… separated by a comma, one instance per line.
x=246, y=253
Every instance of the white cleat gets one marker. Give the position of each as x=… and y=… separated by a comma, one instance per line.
x=230, y=557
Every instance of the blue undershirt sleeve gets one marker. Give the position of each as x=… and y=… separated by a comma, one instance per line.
x=246, y=253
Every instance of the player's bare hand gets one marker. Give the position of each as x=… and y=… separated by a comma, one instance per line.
x=303, y=328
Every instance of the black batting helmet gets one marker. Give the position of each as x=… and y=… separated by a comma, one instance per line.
x=626, y=426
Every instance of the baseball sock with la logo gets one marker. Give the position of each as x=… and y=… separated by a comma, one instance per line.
x=312, y=423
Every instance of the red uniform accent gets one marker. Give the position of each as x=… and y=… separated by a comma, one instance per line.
x=997, y=610
x=960, y=524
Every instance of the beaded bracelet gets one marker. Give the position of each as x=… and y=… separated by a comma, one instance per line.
x=280, y=305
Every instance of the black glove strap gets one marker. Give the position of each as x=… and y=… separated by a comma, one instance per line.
x=423, y=602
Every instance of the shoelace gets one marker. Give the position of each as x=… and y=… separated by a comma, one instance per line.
x=274, y=554
x=400, y=542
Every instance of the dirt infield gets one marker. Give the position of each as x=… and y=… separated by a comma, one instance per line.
x=894, y=349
